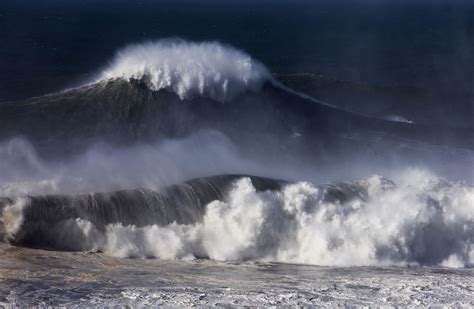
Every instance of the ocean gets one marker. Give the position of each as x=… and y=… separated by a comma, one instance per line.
x=179, y=153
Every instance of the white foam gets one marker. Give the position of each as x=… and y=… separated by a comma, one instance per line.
x=12, y=217
x=397, y=118
x=189, y=69
x=423, y=220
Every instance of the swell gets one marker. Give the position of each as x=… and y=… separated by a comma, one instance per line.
x=173, y=91
x=173, y=88
x=121, y=112
x=407, y=104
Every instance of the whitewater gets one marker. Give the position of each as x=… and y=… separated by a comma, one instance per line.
x=301, y=224
x=189, y=158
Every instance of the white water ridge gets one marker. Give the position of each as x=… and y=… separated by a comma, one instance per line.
x=420, y=220
x=189, y=69
x=434, y=225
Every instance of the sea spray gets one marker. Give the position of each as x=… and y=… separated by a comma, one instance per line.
x=189, y=69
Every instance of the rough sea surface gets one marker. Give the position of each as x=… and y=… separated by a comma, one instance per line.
x=31, y=277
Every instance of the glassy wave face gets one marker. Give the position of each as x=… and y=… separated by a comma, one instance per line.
x=168, y=111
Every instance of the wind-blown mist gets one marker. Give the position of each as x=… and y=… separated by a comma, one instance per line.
x=106, y=168
x=168, y=111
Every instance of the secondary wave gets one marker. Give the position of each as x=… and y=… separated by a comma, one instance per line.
x=251, y=218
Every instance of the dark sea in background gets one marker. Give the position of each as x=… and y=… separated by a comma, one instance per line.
x=317, y=225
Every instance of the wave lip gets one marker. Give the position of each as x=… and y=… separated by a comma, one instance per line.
x=189, y=69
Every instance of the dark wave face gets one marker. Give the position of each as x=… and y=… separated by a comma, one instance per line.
x=43, y=216
x=125, y=112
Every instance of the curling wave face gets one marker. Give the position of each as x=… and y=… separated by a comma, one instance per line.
x=420, y=220
x=189, y=69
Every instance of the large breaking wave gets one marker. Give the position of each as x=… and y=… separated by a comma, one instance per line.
x=168, y=111
x=420, y=220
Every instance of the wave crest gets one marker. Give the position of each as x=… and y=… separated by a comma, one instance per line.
x=189, y=69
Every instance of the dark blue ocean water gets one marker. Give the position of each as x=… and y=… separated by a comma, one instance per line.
x=49, y=45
